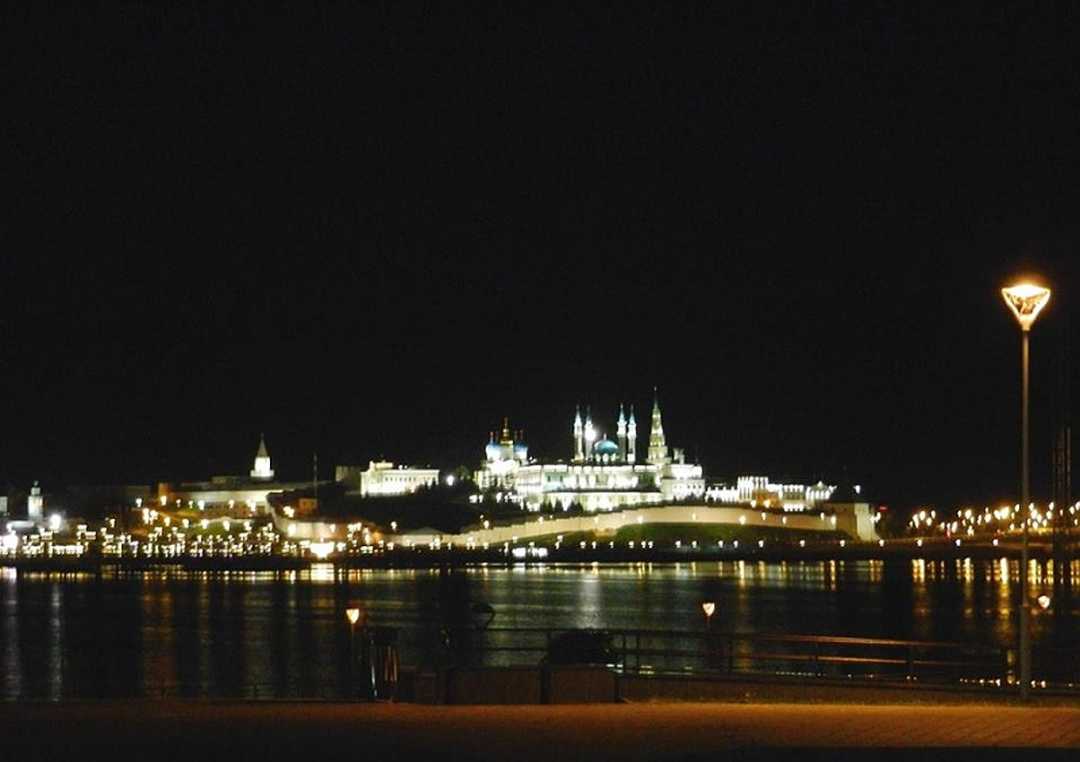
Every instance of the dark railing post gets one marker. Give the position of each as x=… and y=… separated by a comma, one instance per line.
x=910, y=661
x=731, y=654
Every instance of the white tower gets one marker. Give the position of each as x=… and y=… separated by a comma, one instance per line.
x=620, y=434
x=631, y=437
x=262, y=468
x=590, y=434
x=658, y=453
x=35, y=504
x=579, y=436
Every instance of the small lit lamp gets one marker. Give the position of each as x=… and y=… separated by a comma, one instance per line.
x=1043, y=601
x=709, y=608
x=1026, y=301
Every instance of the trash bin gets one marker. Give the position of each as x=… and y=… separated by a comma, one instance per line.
x=386, y=662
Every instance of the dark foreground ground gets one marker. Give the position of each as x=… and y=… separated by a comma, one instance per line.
x=626, y=732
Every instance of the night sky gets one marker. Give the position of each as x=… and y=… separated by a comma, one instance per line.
x=376, y=231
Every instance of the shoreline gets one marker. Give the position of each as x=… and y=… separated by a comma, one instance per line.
x=426, y=558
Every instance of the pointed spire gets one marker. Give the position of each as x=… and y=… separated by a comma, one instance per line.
x=620, y=433
x=658, y=451
x=579, y=435
x=262, y=469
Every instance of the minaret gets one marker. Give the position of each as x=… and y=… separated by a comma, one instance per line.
x=631, y=436
x=262, y=468
x=658, y=454
x=620, y=433
x=579, y=434
x=590, y=434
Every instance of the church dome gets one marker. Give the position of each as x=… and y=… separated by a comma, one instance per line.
x=521, y=450
x=606, y=447
x=493, y=451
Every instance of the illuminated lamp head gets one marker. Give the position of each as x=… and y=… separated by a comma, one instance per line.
x=1026, y=300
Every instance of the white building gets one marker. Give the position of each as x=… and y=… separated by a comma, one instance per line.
x=262, y=468
x=760, y=490
x=384, y=478
x=602, y=475
x=35, y=505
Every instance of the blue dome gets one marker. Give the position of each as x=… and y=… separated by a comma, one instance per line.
x=520, y=448
x=606, y=447
x=493, y=451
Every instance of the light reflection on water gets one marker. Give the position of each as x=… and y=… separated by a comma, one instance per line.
x=284, y=634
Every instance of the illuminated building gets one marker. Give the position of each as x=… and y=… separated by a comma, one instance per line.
x=384, y=478
x=601, y=475
x=760, y=490
x=262, y=468
x=35, y=504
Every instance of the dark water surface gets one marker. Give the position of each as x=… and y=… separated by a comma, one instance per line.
x=285, y=634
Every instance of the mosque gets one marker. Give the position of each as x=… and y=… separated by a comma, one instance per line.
x=602, y=474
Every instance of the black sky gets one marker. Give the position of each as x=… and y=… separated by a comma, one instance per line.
x=374, y=231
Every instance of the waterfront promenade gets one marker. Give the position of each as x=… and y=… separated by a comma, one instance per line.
x=626, y=732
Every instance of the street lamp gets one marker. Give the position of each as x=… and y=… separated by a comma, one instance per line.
x=709, y=608
x=353, y=615
x=1026, y=300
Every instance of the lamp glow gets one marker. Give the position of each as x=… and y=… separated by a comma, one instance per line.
x=709, y=608
x=1026, y=300
x=353, y=615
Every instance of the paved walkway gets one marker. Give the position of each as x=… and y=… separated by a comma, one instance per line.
x=626, y=732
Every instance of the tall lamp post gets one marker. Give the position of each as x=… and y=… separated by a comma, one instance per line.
x=353, y=615
x=1026, y=301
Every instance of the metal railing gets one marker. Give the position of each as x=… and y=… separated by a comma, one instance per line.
x=708, y=653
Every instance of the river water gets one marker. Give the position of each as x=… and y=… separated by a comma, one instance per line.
x=284, y=634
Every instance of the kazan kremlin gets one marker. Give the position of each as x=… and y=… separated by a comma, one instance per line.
x=604, y=487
